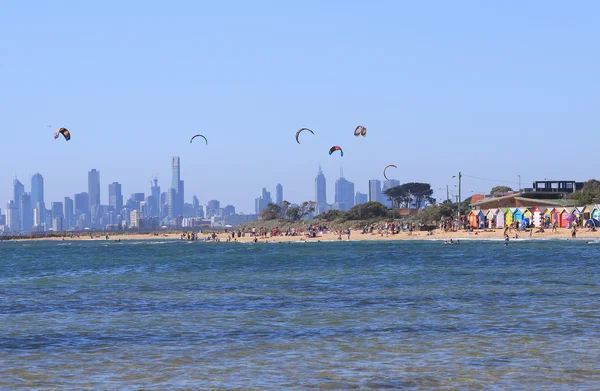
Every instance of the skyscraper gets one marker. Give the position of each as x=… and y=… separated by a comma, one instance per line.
x=12, y=217
x=94, y=188
x=279, y=194
x=262, y=202
x=320, y=192
x=26, y=212
x=155, y=192
x=176, y=196
x=115, y=197
x=37, y=188
x=82, y=203
x=68, y=213
x=39, y=216
x=344, y=194
x=360, y=198
x=375, y=191
x=171, y=202
x=57, y=210
x=18, y=190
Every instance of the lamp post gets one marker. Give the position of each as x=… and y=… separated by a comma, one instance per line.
x=459, y=189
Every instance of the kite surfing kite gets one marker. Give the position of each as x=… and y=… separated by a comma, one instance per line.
x=360, y=131
x=386, y=167
x=336, y=148
x=300, y=131
x=199, y=135
x=66, y=134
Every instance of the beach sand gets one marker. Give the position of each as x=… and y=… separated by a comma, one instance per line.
x=498, y=234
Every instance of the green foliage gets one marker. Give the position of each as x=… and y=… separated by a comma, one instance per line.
x=500, y=190
x=297, y=213
x=589, y=194
x=409, y=193
x=368, y=210
x=271, y=212
x=398, y=195
x=331, y=215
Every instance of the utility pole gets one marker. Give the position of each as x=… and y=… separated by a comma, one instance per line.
x=459, y=195
x=447, y=194
x=519, y=183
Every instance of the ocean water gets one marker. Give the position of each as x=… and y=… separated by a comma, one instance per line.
x=351, y=315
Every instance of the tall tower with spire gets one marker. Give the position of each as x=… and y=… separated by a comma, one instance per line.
x=320, y=192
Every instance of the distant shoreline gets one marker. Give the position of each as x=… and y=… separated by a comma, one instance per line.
x=438, y=235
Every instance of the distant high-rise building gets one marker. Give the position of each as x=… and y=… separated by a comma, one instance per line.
x=279, y=194
x=344, y=194
x=26, y=212
x=68, y=213
x=156, y=203
x=139, y=197
x=361, y=198
x=12, y=217
x=176, y=197
x=39, y=216
x=58, y=224
x=94, y=187
x=57, y=209
x=320, y=193
x=388, y=184
x=172, y=201
x=375, y=191
x=135, y=217
x=213, y=204
x=229, y=210
x=37, y=189
x=115, y=196
x=82, y=203
x=18, y=190
x=262, y=202
x=180, y=196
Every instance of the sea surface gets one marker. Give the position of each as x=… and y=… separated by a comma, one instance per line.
x=171, y=315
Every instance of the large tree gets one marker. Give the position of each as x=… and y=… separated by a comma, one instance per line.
x=500, y=190
x=270, y=212
x=420, y=193
x=590, y=193
x=366, y=211
x=411, y=193
x=398, y=195
x=297, y=213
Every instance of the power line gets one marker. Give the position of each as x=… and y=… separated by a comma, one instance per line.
x=490, y=180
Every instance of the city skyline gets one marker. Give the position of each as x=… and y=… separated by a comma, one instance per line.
x=86, y=210
x=440, y=86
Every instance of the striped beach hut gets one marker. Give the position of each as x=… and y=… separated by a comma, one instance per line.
x=595, y=212
x=481, y=219
x=490, y=218
x=528, y=213
x=566, y=217
x=518, y=215
x=578, y=213
x=473, y=218
x=538, y=217
x=499, y=218
x=509, y=217
x=548, y=216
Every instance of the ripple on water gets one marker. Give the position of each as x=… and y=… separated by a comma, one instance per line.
x=162, y=315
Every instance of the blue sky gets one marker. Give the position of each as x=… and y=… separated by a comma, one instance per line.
x=492, y=89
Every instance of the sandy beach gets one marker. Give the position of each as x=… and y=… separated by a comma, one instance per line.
x=498, y=234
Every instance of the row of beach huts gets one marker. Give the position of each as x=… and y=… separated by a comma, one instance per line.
x=564, y=217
